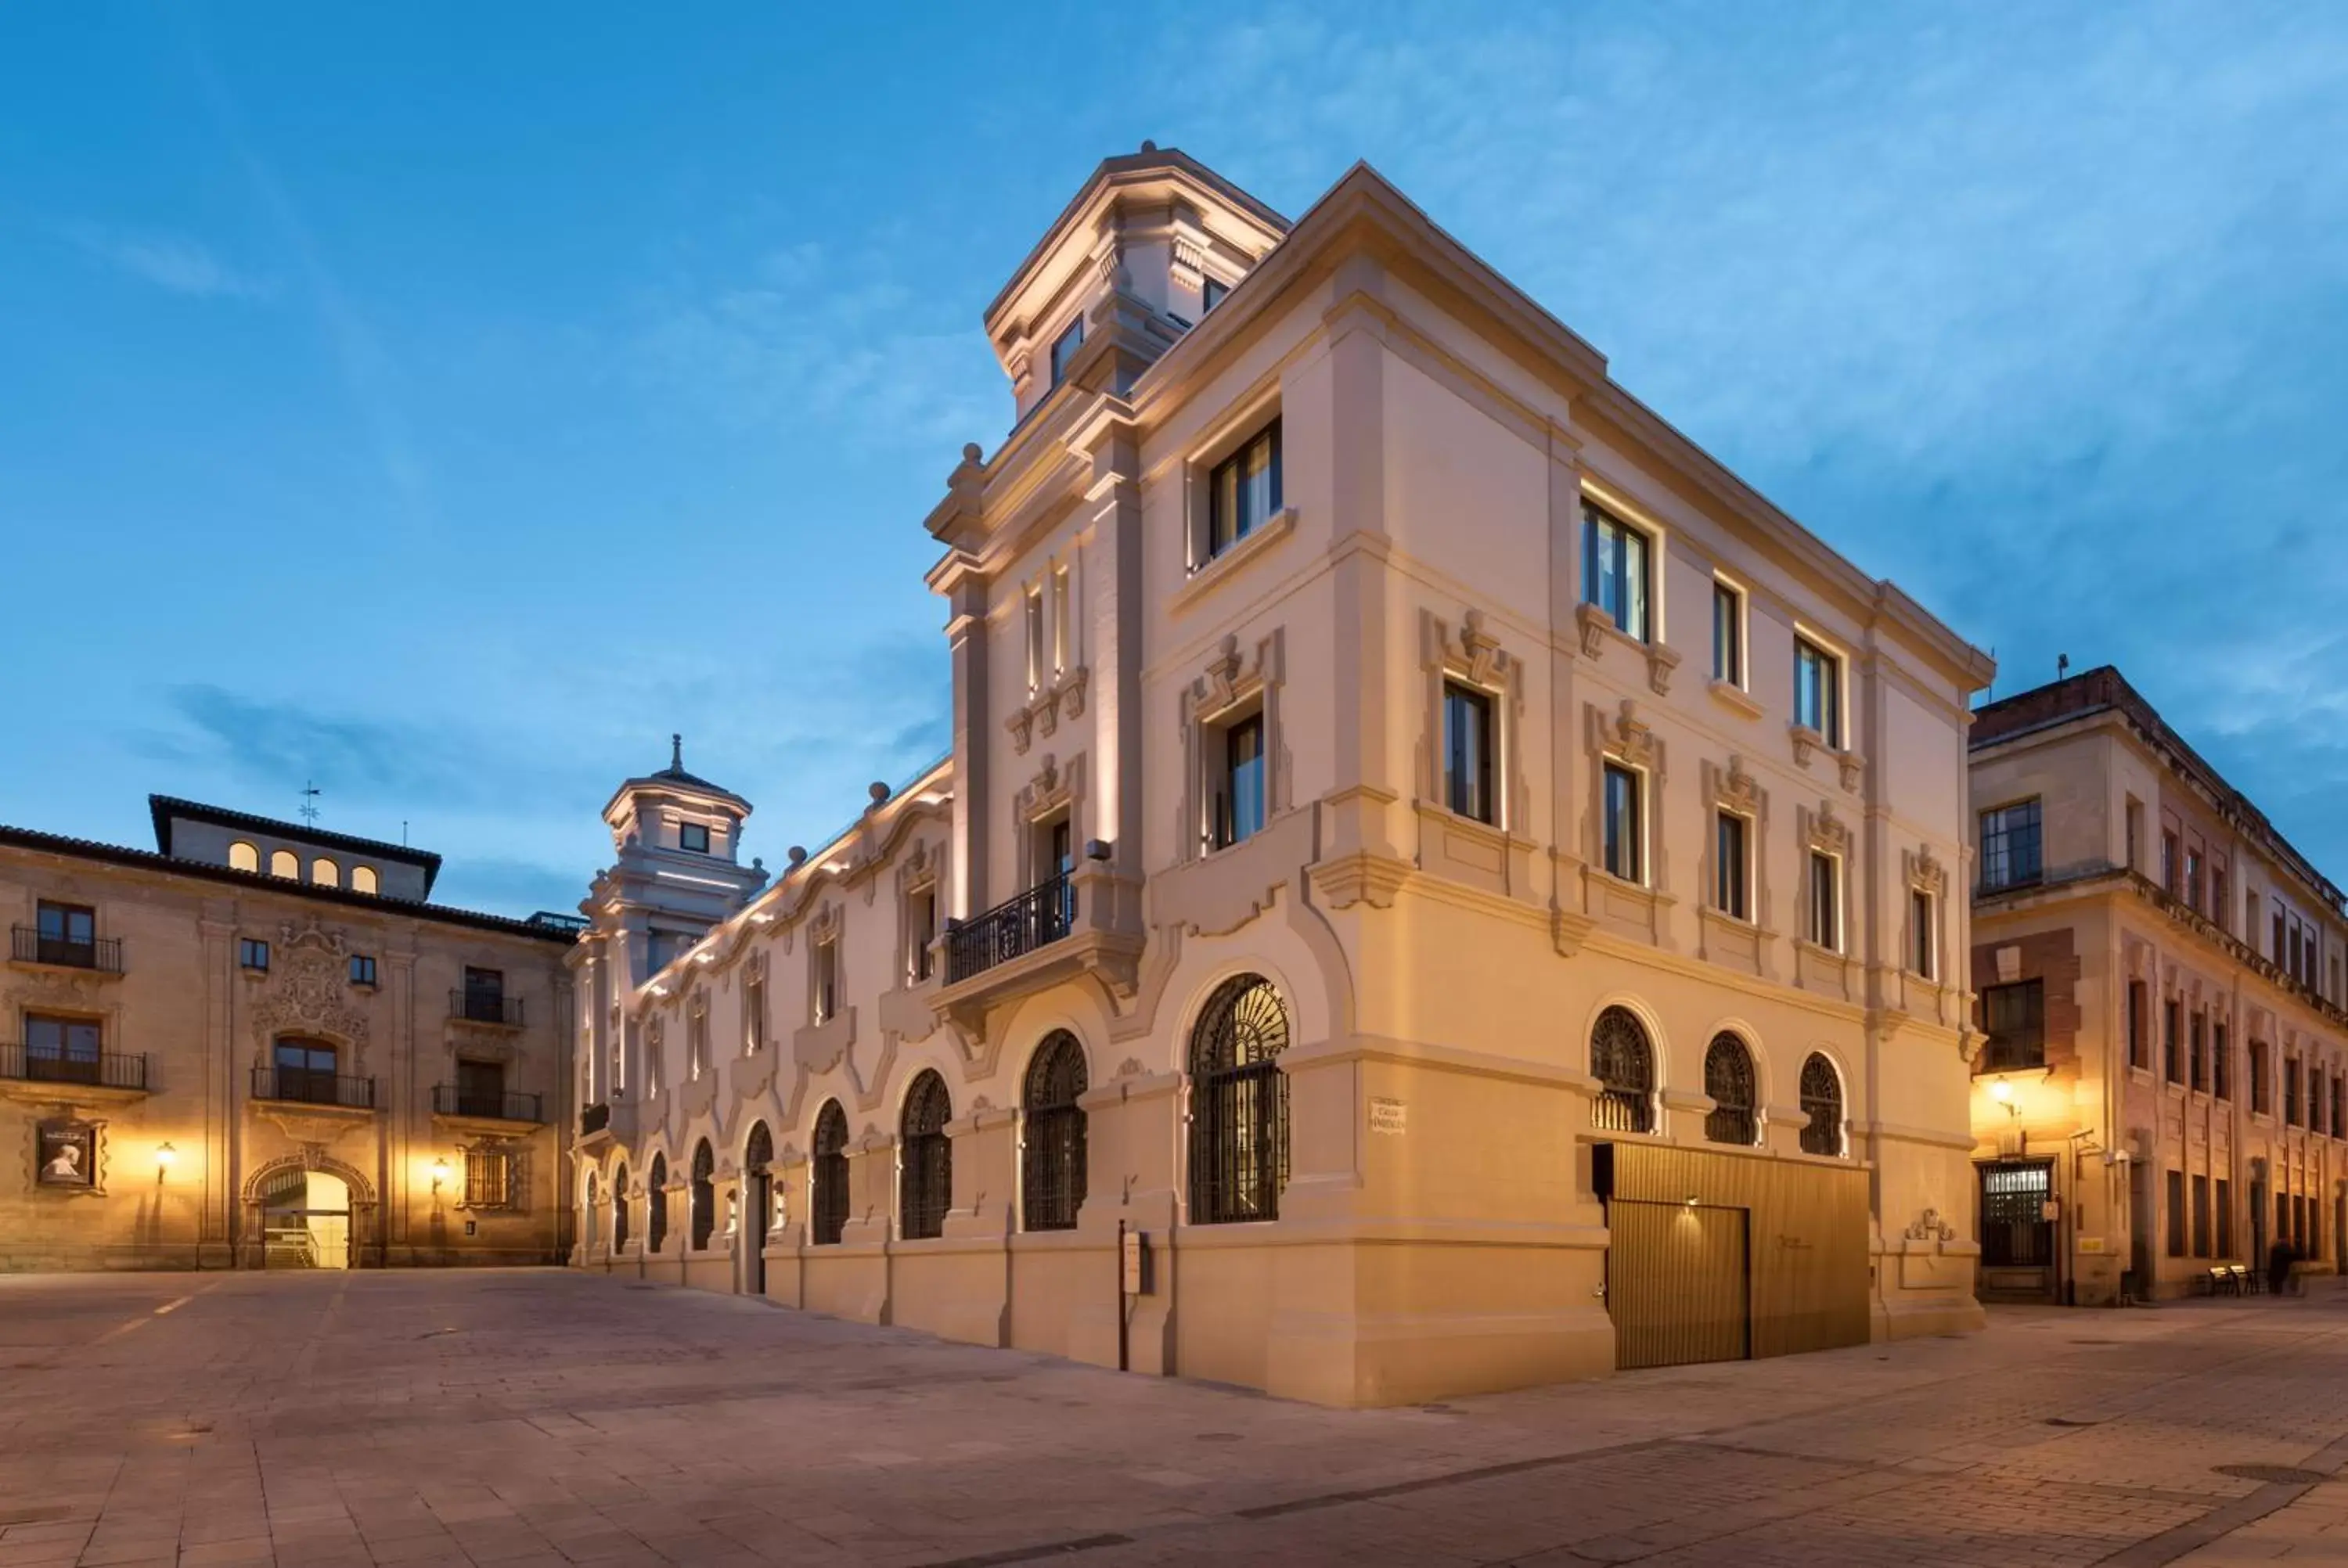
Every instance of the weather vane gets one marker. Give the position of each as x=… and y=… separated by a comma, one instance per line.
x=309, y=812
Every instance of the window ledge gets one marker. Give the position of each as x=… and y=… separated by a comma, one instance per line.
x=1848, y=764
x=1208, y=574
x=1735, y=698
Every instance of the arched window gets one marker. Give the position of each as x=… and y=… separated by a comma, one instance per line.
x=830, y=1201
x=324, y=873
x=1822, y=1103
x=587, y=1231
x=759, y=1151
x=620, y=1209
x=656, y=1206
x=1624, y=1065
x=926, y=1155
x=1728, y=1079
x=243, y=856
x=704, y=1195
x=757, y=1155
x=285, y=863
x=362, y=879
x=1052, y=1170
x=1238, y=1104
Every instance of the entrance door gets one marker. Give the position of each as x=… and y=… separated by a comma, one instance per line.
x=2017, y=1239
x=1679, y=1282
x=754, y=1229
x=305, y=1221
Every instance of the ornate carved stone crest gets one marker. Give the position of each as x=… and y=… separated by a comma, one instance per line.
x=307, y=991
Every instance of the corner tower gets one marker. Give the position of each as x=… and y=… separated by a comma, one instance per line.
x=678, y=869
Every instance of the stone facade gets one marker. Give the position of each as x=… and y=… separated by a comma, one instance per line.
x=152, y=1011
x=1348, y=769
x=2186, y=963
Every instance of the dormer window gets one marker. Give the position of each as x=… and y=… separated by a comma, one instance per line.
x=695, y=836
x=1064, y=349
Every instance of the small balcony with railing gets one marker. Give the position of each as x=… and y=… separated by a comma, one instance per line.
x=313, y=1086
x=36, y=948
x=1087, y=920
x=485, y=1007
x=474, y=1103
x=118, y=1071
x=1014, y=928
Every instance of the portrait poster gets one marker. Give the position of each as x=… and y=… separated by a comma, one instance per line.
x=66, y=1155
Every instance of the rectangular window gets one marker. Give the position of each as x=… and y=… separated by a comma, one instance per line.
x=1614, y=571
x=1212, y=292
x=2172, y=1041
x=921, y=930
x=2225, y=1217
x=2261, y=1077
x=1467, y=752
x=1919, y=919
x=2221, y=1063
x=1625, y=851
x=61, y=1050
x=2314, y=1098
x=1059, y=620
x=2135, y=832
x=825, y=992
x=1064, y=349
x=487, y=1179
x=2197, y=1057
x=1241, y=810
x=2193, y=880
x=2009, y=846
x=2200, y=1217
x=1826, y=901
x=2291, y=1113
x=1035, y=605
x=2219, y=910
x=2277, y=936
x=1243, y=491
x=753, y=1017
x=2169, y=864
x=2339, y=1104
x=65, y=934
x=2177, y=1214
x=694, y=836
x=1728, y=868
x=2014, y=1017
x=362, y=968
x=1817, y=691
x=252, y=953
x=2139, y=1048
x=1727, y=634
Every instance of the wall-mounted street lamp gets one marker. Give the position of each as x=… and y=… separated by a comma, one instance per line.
x=439, y=1173
x=164, y=1155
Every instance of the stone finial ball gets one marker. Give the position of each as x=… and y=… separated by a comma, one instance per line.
x=797, y=852
x=971, y=451
x=878, y=791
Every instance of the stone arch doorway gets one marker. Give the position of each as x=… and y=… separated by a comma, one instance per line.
x=309, y=1216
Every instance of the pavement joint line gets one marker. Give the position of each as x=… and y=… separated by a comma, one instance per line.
x=2227, y=1518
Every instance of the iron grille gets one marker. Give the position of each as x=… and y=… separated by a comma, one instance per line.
x=620, y=1209
x=494, y=1105
x=1051, y=1174
x=1624, y=1065
x=1018, y=926
x=925, y=1179
x=656, y=1206
x=480, y=1006
x=704, y=1195
x=48, y=1064
x=2015, y=1232
x=1238, y=1104
x=1728, y=1080
x=30, y=945
x=310, y=1086
x=487, y=1179
x=1822, y=1103
x=829, y=1199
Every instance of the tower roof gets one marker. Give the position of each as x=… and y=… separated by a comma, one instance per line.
x=675, y=780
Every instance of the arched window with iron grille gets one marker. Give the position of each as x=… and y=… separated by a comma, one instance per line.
x=758, y=1162
x=704, y=1195
x=620, y=1209
x=925, y=1173
x=1822, y=1103
x=829, y=1176
x=657, y=1204
x=1728, y=1080
x=1624, y=1062
x=1052, y=1173
x=1238, y=1104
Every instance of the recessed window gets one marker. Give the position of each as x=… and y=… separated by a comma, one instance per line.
x=1212, y=292
x=825, y=991
x=1059, y=620
x=363, y=880
x=1817, y=691
x=488, y=1181
x=252, y=953
x=2014, y=1019
x=921, y=931
x=1467, y=752
x=1064, y=349
x=1243, y=490
x=1826, y=901
x=286, y=864
x=754, y=1015
x=362, y=968
x=694, y=836
x=62, y=1049
x=2009, y=846
x=1624, y=847
x=2172, y=1041
x=1728, y=888
x=1238, y=802
x=1615, y=563
x=324, y=873
x=64, y=934
x=2221, y=1061
x=243, y=856
x=1727, y=634
x=1919, y=920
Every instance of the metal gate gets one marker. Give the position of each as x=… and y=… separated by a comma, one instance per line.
x=1679, y=1282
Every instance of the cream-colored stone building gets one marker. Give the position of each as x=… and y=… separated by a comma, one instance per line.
x=259, y=1044
x=1458, y=876
x=2164, y=1085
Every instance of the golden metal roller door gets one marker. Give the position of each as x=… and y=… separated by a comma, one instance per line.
x=1678, y=1283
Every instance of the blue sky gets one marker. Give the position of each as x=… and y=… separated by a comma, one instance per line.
x=446, y=403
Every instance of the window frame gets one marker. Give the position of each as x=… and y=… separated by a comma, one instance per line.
x=1221, y=535
x=1066, y=345
x=2008, y=835
x=2029, y=1031
x=1924, y=951
x=1811, y=650
x=1227, y=824
x=363, y=969
x=686, y=832
x=1732, y=864
x=1730, y=665
x=1633, y=843
x=1822, y=914
x=1598, y=524
x=253, y=953
x=1478, y=800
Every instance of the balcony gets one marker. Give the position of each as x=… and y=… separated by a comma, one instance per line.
x=28, y=945
x=24, y=1064
x=485, y=1104
x=307, y=1086
x=1012, y=929
x=486, y=1007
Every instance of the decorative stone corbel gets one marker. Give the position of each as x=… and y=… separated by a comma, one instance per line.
x=1853, y=767
x=1021, y=725
x=1633, y=738
x=1594, y=624
x=1660, y=662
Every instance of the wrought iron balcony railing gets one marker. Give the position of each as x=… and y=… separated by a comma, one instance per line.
x=28, y=945
x=453, y=1100
x=486, y=1007
x=41, y=1064
x=1035, y=918
x=308, y=1086
x=594, y=1117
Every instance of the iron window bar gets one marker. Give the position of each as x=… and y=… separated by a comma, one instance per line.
x=309, y=1086
x=42, y=1064
x=1013, y=928
x=30, y=945
x=455, y=1100
x=485, y=1007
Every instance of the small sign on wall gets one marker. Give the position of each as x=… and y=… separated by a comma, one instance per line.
x=1388, y=1116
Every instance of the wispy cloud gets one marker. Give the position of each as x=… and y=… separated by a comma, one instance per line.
x=172, y=263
